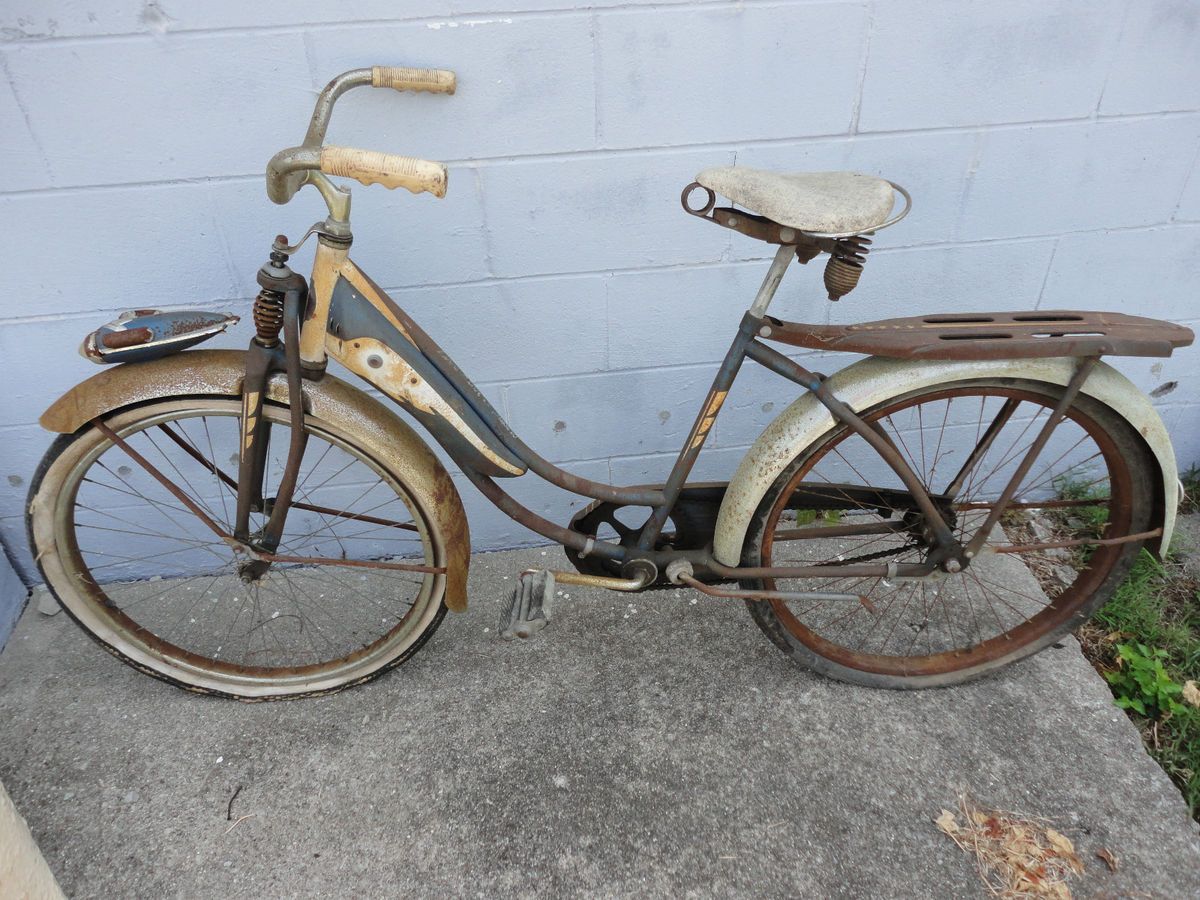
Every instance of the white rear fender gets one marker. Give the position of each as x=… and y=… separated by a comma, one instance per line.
x=876, y=379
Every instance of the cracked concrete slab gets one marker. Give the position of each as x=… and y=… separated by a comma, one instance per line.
x=647, y=745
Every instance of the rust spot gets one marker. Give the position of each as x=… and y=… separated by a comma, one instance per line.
x=186, y=326
x=115, y=340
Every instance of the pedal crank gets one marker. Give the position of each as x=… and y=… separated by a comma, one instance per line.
x=528, y=611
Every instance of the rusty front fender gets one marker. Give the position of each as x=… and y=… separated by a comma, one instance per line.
x=218, y=373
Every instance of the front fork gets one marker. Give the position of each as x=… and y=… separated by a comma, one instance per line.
x=264, y=358
x=255, y=435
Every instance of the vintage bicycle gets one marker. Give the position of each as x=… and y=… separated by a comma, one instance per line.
x=247, y=524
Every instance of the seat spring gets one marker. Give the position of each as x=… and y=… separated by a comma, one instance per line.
x=268, y=317
x=845, y=264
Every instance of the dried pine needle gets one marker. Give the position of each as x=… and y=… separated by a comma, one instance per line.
x=1016, y=857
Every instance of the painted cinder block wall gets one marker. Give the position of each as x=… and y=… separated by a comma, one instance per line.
x=1051, y=149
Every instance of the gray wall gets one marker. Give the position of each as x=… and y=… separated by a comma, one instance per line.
x=1051, y=149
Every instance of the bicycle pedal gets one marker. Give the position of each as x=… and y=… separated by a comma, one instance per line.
x=529, y=610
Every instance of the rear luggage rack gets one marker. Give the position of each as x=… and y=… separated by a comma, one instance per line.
x=1002, y=335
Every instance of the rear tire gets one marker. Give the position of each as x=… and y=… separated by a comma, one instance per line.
x=1123, y=504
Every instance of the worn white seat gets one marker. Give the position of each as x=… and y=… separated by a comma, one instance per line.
x=821, y=202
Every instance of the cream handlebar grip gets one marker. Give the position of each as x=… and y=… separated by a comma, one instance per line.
x=402, y=78
x=373, y=167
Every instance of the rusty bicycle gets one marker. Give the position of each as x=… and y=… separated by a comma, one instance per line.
x=247, y=524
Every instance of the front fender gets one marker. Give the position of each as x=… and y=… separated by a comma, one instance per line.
x=873, y=380
x=218, y=373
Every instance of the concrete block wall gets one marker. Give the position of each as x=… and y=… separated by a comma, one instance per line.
x=1051, y=149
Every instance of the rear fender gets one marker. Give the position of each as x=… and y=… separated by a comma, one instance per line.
x=874, y=380
x=218, y=373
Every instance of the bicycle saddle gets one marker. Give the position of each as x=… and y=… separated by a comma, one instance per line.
x=815, y=202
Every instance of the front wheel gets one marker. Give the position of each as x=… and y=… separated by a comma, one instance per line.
x=145, y=576
x=1092, y=481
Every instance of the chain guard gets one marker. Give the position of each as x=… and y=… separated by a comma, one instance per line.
x=689, y=527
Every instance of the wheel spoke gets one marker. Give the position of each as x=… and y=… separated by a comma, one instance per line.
x=952, y=621
x=198, y=606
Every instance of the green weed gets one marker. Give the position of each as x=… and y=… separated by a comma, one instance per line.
x=1142, y=684
x=1146, y=643
x=809, y=516
x=1073, y=488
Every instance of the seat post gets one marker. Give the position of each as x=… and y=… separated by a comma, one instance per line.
x=783, y=258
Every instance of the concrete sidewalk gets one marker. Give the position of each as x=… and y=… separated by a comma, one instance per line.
x=648, y=746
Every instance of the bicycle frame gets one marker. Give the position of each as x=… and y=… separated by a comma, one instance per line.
x=352, y=320
x=1110, y=481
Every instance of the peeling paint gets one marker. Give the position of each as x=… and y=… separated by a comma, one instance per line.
x=402, y=383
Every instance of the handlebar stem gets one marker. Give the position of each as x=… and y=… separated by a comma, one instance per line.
x=290, y=169
x=337, y=199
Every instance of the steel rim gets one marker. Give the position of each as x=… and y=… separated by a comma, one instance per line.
x=800, y=622
x=89, y=598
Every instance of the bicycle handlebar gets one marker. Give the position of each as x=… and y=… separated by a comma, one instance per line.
x=402, y=78
x=288, y=169
x=373, y=167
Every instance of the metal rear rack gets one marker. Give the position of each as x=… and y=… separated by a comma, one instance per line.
x=1001, y=335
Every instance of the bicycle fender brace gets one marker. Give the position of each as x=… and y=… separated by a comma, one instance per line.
x=876, y=379
x=219, y=373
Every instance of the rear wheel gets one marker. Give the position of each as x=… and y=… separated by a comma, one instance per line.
x=1093, y=481
x=145, y=577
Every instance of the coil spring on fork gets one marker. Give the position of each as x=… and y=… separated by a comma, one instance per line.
x=268, y=317
x=845, y=264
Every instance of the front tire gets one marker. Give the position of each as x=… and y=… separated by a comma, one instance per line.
x=144, y=577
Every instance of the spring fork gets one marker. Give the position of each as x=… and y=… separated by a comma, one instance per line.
x=299, y=439
x=252, y=463
x=252, y=448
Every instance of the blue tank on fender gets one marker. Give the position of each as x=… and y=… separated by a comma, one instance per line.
x=143, y=334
